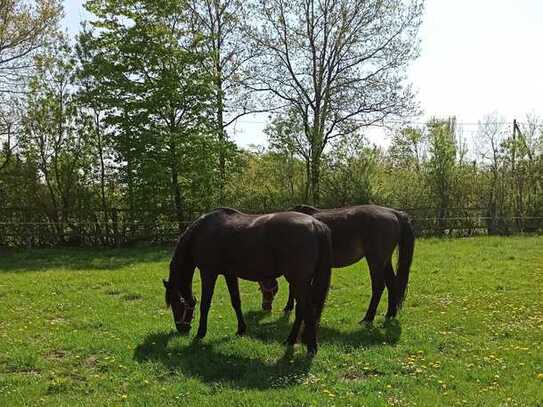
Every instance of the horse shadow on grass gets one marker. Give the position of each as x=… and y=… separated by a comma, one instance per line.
x=211, y=363
x=79, y=259
x=365, y=336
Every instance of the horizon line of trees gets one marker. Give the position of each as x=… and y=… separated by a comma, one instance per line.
x=128, y=125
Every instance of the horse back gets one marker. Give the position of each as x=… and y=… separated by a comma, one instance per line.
x=362, y=230
x=255, y=246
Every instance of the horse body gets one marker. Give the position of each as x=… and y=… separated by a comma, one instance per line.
x=256, y=248
x=372, y=232
x=350, y=226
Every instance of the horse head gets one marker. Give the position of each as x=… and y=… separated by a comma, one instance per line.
x=183, y=311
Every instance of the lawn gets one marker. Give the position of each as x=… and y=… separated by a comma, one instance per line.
x=89, y=327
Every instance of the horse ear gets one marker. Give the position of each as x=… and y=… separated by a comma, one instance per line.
x=166, y=283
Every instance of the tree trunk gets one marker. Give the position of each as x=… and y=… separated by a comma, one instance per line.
x=176, y=189
x=307, y=186
x=315, y=178
x=102, y=178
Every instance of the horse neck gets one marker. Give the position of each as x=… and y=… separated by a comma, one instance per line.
x=181, y=274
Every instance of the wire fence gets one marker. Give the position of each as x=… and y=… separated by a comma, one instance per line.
x=121, y=227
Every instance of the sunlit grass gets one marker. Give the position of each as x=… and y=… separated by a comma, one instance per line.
x=89, y=327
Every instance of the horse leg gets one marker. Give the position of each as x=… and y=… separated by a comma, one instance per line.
x=290, y=303
x=233, y=289
x=293, y=336
x=390, y=282
x=208, y=286
x=294, y=290
x=377, y=276
x=309, y=335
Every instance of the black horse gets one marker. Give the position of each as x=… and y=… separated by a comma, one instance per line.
x=257, y=248
x=373, y=232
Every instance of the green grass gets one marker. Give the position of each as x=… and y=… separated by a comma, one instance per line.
x=89, y=327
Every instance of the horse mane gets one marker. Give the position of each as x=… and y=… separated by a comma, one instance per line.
x=307, y=209
x=229, y=211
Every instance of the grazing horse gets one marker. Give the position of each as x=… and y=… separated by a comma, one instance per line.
x=257, y=248
x=373, y=232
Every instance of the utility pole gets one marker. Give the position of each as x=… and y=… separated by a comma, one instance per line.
x=516, y=181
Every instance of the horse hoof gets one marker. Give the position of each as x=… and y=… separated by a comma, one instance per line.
x=311, y=351
x=289, y=341
x=241, y=331
x=366, y=322
x=183, y=329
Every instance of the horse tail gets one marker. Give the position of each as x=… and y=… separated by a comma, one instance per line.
x=323, y=272
x=406, y=248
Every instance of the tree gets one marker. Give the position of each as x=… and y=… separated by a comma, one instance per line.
x=348, y=172
x=286, y=136
x=490, y=137
x=523, y=150
x=53, y=136
x=408, y=148
x=145, y=63
x=441, y=165
x=221, y=22
x=25, y=28
x=339, y=64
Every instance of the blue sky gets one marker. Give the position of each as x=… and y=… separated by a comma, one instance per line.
x=477, y=57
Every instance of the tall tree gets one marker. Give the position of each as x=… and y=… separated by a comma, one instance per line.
x=229, y=54
x=53, y=138
x=441, y=165
x=490, y=137
x=286, y=135
x=340, y=64
x=25, y=28
x=408, y=148
x=146, y=63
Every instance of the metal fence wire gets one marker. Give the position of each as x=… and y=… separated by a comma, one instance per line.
x=124, y=229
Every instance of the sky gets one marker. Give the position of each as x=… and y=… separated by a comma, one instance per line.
x=477, y=57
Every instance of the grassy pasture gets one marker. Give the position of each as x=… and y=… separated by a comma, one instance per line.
x=89, y=327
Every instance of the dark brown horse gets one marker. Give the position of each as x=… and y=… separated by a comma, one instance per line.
x=256, y=248
x=373, y=232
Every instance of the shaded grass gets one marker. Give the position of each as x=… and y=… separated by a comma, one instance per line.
x=89, y=327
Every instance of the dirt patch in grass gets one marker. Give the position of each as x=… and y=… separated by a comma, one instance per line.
x=56, y=355
x=23, y=369
x=90, y=361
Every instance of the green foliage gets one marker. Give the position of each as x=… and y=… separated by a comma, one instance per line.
x=145, y=66
x=348, y=176
x=54, y=142
x=129, y=132
x=267, y=181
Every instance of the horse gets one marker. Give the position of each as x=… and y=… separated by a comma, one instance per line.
x=373, y=232
x=256, y=248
